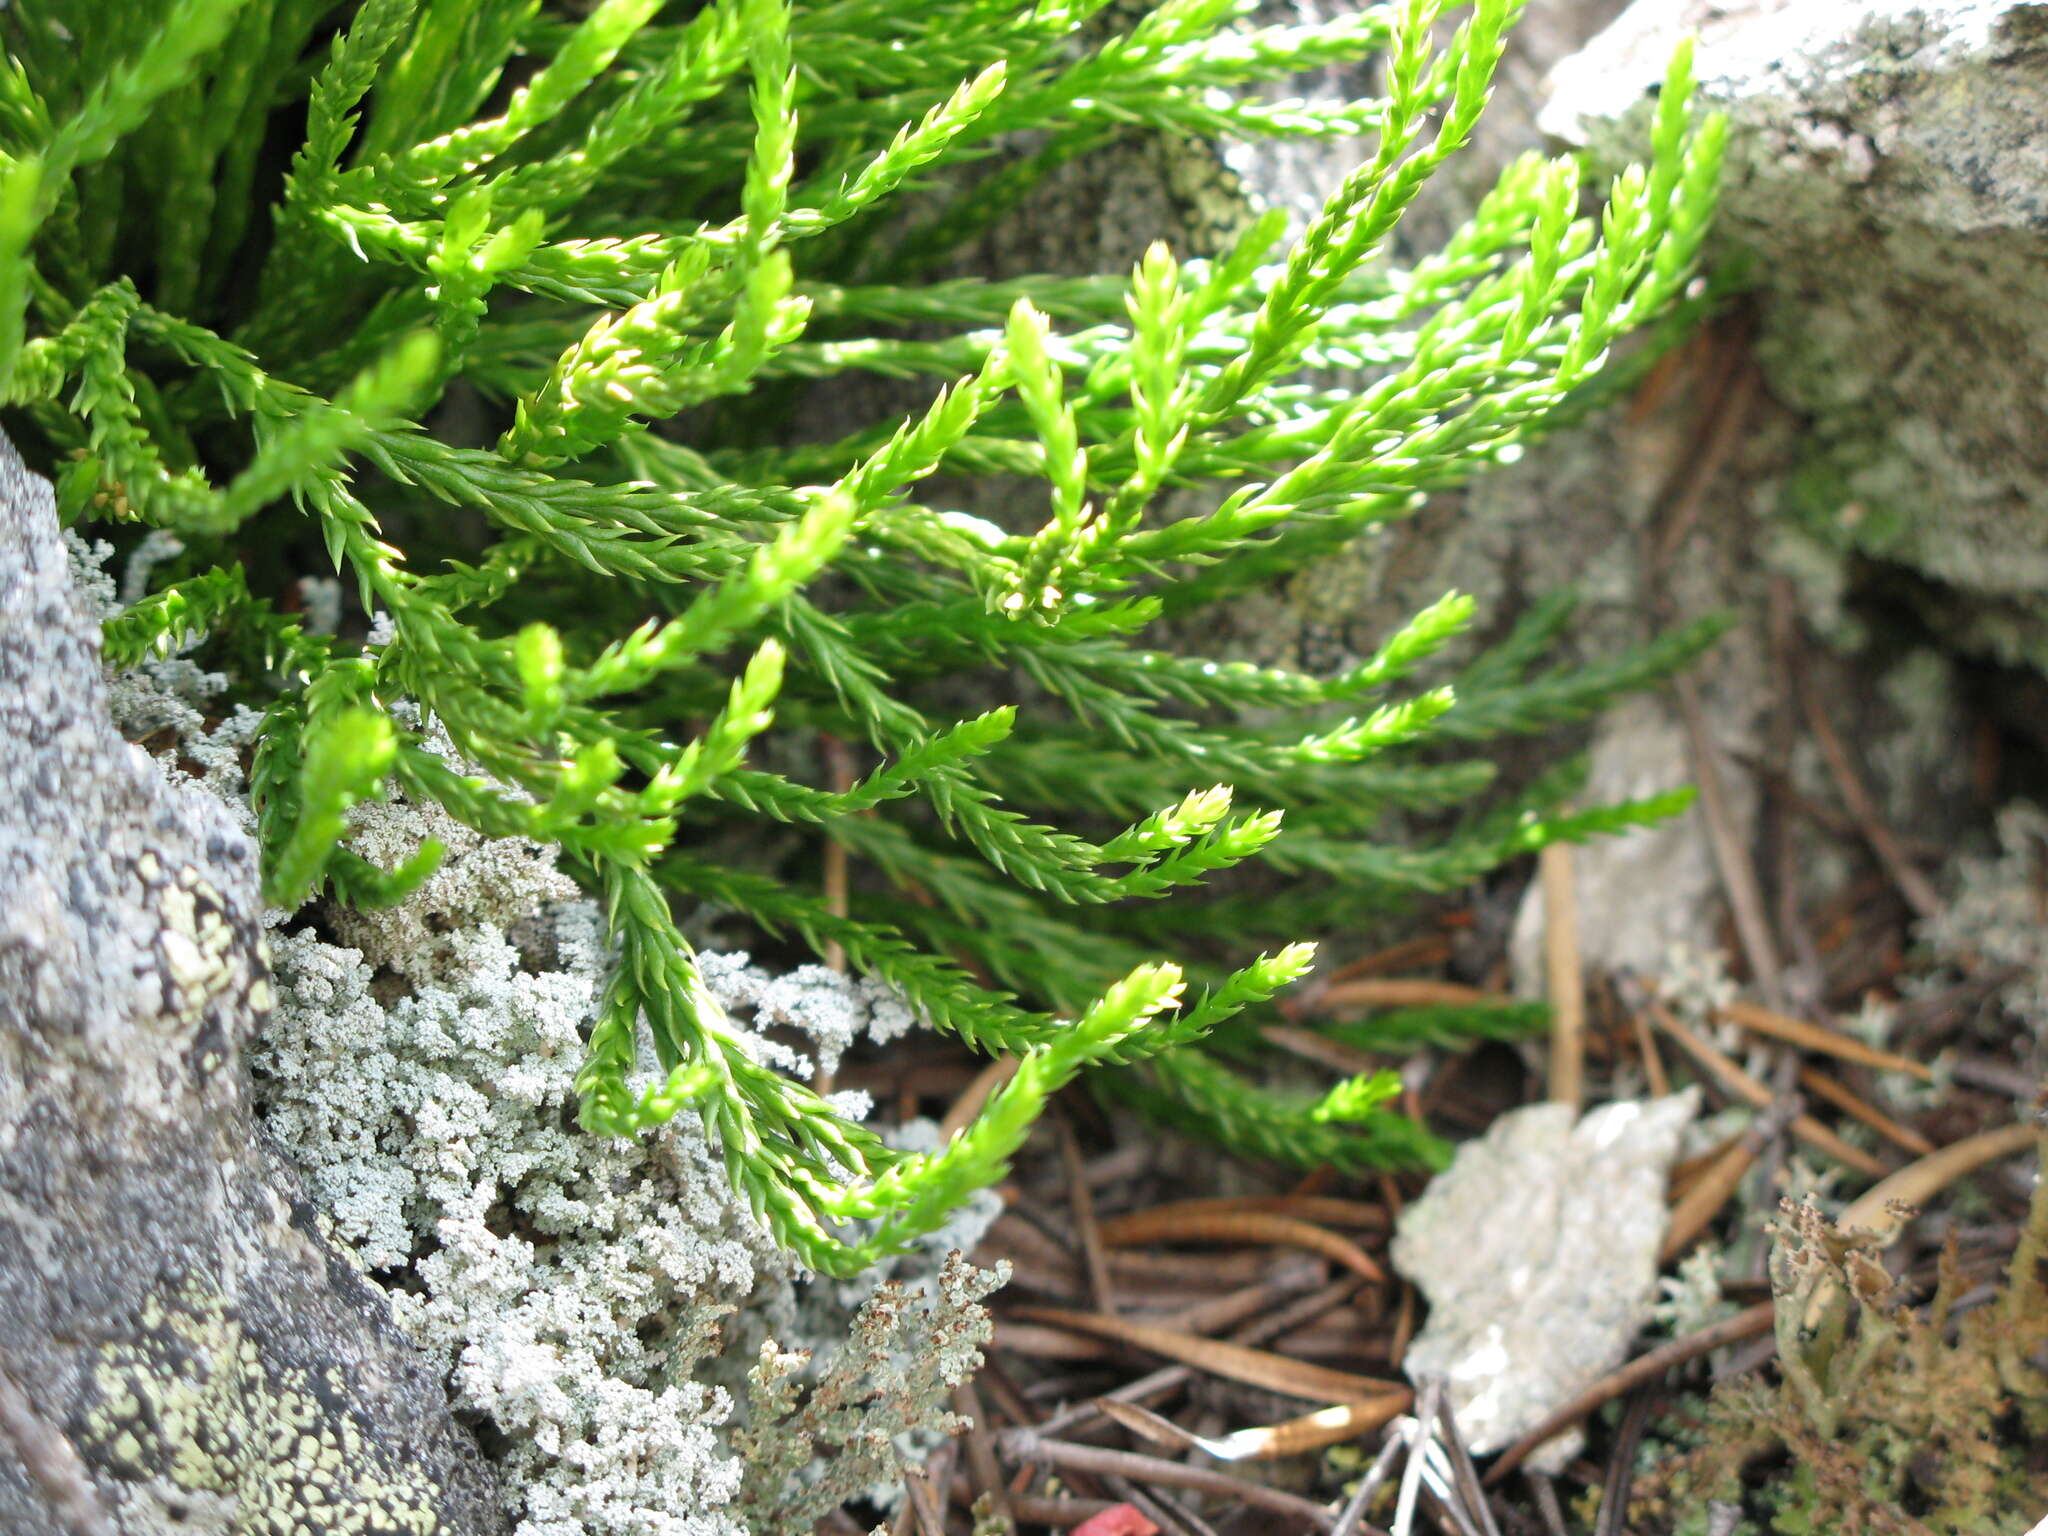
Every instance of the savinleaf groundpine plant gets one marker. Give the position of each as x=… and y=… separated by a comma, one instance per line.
x=265, y=265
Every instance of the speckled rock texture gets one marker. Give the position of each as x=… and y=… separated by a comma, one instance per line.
x=1537, y=1250
x=1888, y=173
x=182, y=1348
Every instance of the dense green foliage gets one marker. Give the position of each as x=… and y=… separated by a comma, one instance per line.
x=267, y=265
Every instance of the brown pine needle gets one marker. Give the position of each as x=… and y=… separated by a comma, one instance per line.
x=1037, y=1343
x=1427, y=949
x=968, y=1105
x=1081, y=1207
x=1404, y=1315
x=1178, y=1224
x=981, y=1451
x=1689, y=1171
x=1875, y=1210
x=1703, y=1202
x=1167, y=1378
x=1403, y=992
x=1653, y=1059
x=925, y=1494
x=1744, y=1086
x=1326, y=1210
x=1819, y=1084
x=1321, y=1049
x=1716, y=1186
x=1731, y=852
x=1235, y=1362
x=1819, y=1038
x=1905, y=874
x=839, y=769
x=1060, y=1514
x=1234, y=1307
x=1564, y=976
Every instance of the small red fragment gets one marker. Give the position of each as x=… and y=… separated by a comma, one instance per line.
x=1120, y=1520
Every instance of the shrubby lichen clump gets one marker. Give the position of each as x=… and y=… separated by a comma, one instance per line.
x=579, y=1289
x=1883, y=1416
x=579, y=1292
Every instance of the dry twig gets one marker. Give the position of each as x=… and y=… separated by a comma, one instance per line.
x=1564, y=976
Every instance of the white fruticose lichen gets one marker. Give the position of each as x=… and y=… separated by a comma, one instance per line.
x=596, y=1300
x=1996, y=919
x=1692, y=1299
x=1695, y=983
x=96, y=591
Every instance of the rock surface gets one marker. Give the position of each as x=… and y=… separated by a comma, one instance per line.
x=1888, y=174
x=181, y=1345
x=1537, y=1250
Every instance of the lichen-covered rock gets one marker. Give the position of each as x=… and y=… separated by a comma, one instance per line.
x=1537, y=1250
x=1886, y=172
x=595, y=1300
x=181, y=1346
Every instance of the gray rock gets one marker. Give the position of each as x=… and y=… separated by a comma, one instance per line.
x=1537, y=1250
x=1888, y=174
x=181, y=1345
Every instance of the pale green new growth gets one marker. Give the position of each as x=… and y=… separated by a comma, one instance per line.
x=506, y=309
